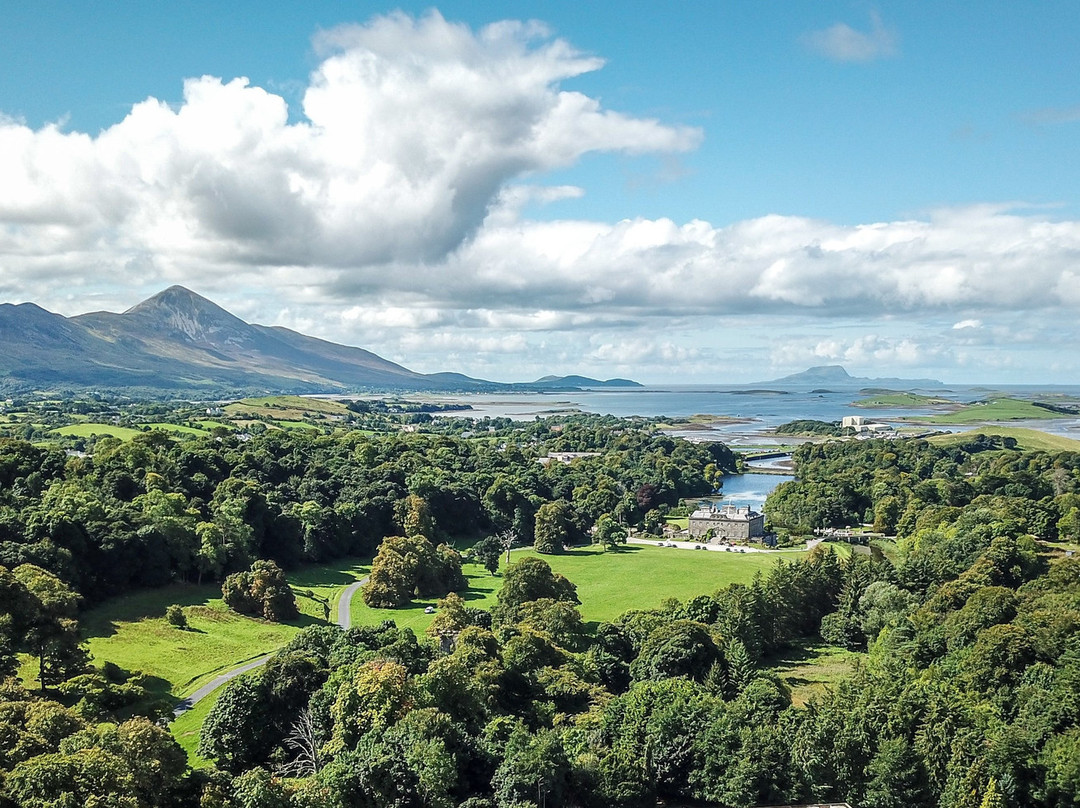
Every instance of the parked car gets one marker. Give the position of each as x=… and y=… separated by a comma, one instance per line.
x=429, y=610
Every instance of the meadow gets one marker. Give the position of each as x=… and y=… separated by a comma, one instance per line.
x=132, y=632
x=995, y=409
x=88, y=429
x=1030, y=439
x=608, y=583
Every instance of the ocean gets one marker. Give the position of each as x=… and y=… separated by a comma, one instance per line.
x=759, y=409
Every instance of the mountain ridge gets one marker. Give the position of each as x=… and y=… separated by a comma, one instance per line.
x=183, y=343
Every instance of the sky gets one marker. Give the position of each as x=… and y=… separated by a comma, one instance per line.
x=693, y=192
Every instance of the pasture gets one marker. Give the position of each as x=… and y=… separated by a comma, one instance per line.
x=132, y=632
x=1030, y=439
x=608, y=583
x=995, y=409
x=87, y=429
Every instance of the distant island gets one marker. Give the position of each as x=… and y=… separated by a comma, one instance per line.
x=834, y=376
x=565, y=382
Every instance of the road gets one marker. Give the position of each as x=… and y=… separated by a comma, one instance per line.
x=344, y=619
x=344, y=606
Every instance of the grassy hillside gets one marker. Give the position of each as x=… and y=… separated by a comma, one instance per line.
x=1031, y=439
x=132, y=632
x=88, y=429
x=996, y=409
x=284, y=408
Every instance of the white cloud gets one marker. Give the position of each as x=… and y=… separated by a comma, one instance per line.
x=398, y=202
x=863, y=351
x=842, y=43
x=413, y=128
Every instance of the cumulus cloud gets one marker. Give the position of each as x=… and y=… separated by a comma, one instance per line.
x=865, y=350
x=543, y=274
x=842, y=43
x=411, y=131
x=398, y=201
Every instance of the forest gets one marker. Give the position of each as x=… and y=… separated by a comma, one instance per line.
x=968, y=630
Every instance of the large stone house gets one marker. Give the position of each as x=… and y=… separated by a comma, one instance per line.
x=727, y=522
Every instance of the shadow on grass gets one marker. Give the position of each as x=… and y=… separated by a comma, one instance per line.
x=303, y=621
x=155, y=685
x=308, y=578
x=593, y=551
x=103, y=620
x=792, y=656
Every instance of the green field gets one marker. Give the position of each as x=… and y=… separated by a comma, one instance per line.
x=996, y=409
x=900, y=399
x=210, y=423
x=1031, y=439
x=131, y=631
x=86, y=430
x=287, y=408
x=608, y=584
x=810, y=669
x=178, y=429
x=295, y=425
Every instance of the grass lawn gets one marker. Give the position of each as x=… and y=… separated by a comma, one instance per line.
x=678, y=522
x=995, y=409
x=131, y=631
x=810, y=669
x=639, y=576
x=86, y=430
x=1031, y=439
x=178, y=429
x=608, y=584
x=208, y=423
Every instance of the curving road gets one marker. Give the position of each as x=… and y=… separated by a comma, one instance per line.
x=344, y=606
x=344, y=619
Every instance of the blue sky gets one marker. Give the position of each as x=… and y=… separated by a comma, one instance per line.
x=694, y=191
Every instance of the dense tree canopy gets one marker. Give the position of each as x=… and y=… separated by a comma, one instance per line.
x=967, y=691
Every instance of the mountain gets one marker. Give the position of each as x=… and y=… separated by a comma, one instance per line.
x=833, y=376
x=565, y=382
x=180, y=342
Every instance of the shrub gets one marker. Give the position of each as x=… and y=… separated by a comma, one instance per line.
x=176, y=617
